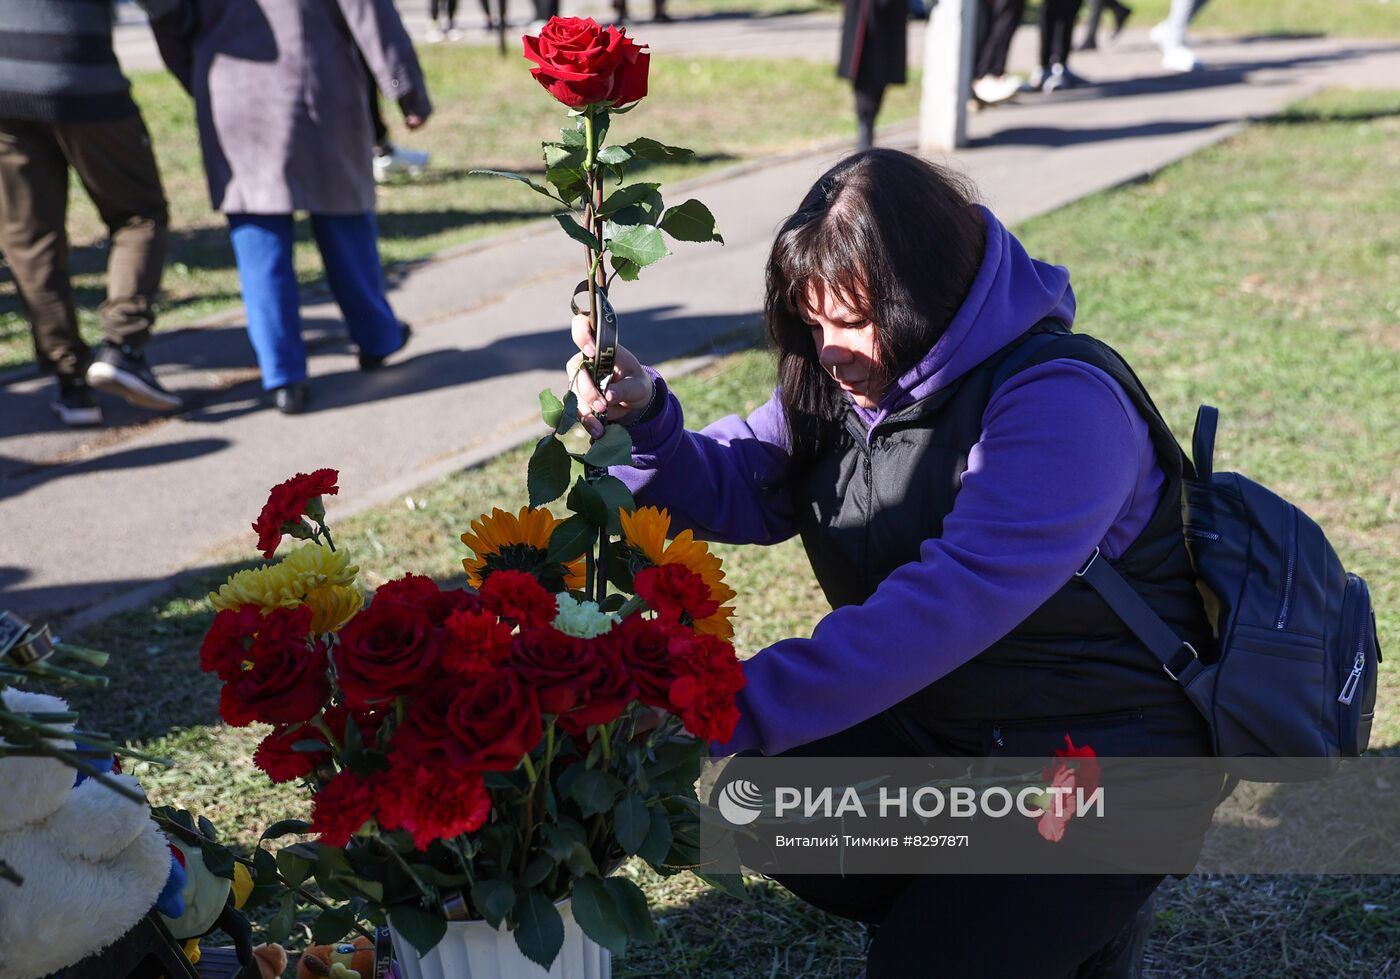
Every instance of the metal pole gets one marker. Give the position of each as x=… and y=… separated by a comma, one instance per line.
x=949, y=49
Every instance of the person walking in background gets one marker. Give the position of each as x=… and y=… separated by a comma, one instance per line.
x=443, y=17
x=65, y=103
x=996, y=26
x=874, y=55
x=282, y=131
x=389, y=160
x=1056, y=35
x=1121, y=13
x=1170, y=36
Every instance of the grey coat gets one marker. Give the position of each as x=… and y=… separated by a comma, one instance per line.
x=282, y=97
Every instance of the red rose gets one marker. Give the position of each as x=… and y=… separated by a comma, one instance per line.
x=225, y=647
x=386, y=650
x=517, y=596
x=433, y=803
x=477, y=642
x=605, y=697
x=343, y=806
x=420, y=590
x=558, y=667
x=284, y=679
x=288, y=502
x=1085, y=766
x=674, y=591
x=486, y=723
x=644, y=647
x=580, y=63
x=283, y=763
x=708, y=676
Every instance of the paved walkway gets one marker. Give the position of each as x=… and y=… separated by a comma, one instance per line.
x=90, y=523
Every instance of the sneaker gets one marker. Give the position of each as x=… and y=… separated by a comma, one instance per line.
x=1061, y=77
x=992, y=89
x=76, y=405
x=370, y=362
x=123, y=371
x=435, y=35
x=390, y=160
x=1035, y=82
x=454, y=33
x=1179, y=58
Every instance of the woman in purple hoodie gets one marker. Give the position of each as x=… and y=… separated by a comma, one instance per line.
x=950, y=454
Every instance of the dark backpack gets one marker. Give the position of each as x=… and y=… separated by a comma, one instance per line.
x=1295, y=673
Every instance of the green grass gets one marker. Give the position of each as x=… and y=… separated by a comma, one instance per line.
x=1258, y=276
x=1343, y=18
x=490, y=114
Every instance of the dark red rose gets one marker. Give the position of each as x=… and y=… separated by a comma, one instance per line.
x=343, y=806
x=517, y=596
x=674, y=591
x=477, y=642
x=1084, y=761
x=644, y=647
x=708, y=676
x=288, y=502
x=281, y=762
x=432, y=802
x=225, y=647
x=605, y=698
x=580, y=63
x=284, y=679
x=386, y=650
x=558, y=667
x=485, y=723
x=420, y=590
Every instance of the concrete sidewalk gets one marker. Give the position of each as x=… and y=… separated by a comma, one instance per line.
x=97, y=521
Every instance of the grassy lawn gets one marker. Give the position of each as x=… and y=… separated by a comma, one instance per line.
x=1345, y=18
x=1258, y=276
x=490, y=113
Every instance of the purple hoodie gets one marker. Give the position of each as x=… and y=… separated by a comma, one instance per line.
x=1064, y=464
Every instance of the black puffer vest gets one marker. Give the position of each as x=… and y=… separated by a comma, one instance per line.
x=866, y=506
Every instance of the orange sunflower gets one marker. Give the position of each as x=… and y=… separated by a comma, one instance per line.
x=645, y=530
x=518, y=542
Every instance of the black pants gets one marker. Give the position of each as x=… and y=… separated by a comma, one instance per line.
x=438, y=7
x=1056, y=30
x=868, y=99
x=996, y=26
x=979, y=926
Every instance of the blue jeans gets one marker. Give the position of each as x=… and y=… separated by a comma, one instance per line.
x=349, y=246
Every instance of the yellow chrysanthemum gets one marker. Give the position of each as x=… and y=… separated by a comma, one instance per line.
x=519, y=542
x=646, y=528
x=311, y=574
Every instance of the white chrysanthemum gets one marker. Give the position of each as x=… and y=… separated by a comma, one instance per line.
x=582, y=619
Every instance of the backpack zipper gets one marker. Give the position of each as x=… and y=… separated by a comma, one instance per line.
x=1292, y=539
x=1202, y=534
x=1357, y=668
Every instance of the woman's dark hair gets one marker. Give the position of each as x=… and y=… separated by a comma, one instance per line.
x=900, y=240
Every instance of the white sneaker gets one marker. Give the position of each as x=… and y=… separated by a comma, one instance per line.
x=435, y=35
x=992, y=89
x=398, y=161
x=454, y=33
x=1179, y=58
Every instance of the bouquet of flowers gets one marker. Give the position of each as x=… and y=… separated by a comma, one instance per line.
x=479, y=752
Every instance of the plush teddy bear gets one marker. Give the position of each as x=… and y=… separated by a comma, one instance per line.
x=93, y=862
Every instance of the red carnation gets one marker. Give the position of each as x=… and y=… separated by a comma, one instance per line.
x=708, y=676
x=517, y=596
x=477, y=642
x=486, y=723
x=1085, y=765
x=558, y=667
x=340, y=809
x=225, y=647
x=284, y=679
x=288, y=502
x=386, y=650
x=644, y=648
x=432, y=802
x=675, y=593
x=282, y=762
x=605, y=697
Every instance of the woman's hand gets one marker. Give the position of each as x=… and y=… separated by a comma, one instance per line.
x=628, y=392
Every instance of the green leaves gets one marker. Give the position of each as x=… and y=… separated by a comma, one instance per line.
x=577, y=231
x=537, y=188
x=657, y=845
x=559, y=415
x=332, y=925
x=613, y=448
x=642, y=148
x=422, y=930
x=632, y=906
x=627, y=196
x=493, y=900
x=691, y=221
x=539, y=930
x=614, y=155
x=594, y=791
x=571, y=539
x=548, y=474
x=640, y=244
x=598, y=916
x=631, y=822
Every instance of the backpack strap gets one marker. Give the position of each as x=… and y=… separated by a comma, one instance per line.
x=1178, y=657
x=1203, y=442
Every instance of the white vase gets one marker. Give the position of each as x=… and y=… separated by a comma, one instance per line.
x=475, y=950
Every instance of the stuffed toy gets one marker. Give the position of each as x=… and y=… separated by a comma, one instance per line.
x=343, y=960
x=93, y=862
x=208, y=901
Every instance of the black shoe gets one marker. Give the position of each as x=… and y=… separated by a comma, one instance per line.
x=75, y=404
x=369, y=362
x=290, y=399
x=123, y=371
